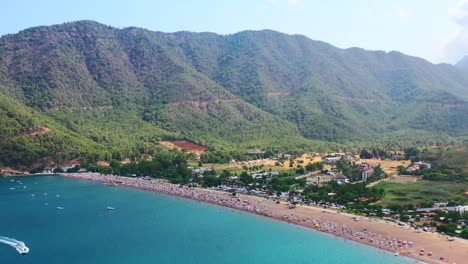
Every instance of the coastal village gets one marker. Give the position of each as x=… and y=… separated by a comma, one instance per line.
x=253, y=177
x=341, y=186
x=333, y=193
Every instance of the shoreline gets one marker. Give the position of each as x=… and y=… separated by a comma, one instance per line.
x=370, y=232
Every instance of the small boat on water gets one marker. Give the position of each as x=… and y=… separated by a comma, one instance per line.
x=60, y=208
x=110, y=208
x=396, y=254
x=21, y=248
x=18, y=245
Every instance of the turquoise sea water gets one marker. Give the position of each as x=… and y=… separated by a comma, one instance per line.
x=152, y=228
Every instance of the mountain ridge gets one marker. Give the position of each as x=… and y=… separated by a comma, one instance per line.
x=252, y=89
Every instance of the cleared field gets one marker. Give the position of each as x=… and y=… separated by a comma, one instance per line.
x=303, y=160
x=389, y=166
x=419, y=191
x=402, y=179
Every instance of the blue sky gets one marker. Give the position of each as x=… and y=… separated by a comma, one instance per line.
x=436, y=30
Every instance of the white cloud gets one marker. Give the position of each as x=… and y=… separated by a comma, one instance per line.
x=456, y=46
x=460, y=13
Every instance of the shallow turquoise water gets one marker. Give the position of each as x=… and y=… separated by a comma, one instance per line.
x=152, y=228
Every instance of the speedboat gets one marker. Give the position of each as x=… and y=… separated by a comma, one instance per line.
x=60, y=208
x=18, y=245
x=110, y=208
x=22, y=248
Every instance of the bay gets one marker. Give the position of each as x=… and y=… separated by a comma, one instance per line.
x=148, y=227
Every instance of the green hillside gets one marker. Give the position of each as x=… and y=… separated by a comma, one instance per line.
x=330, y=93
x=27, y=136
x=105, y=93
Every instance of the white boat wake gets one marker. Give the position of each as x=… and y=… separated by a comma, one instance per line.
x=18, y=245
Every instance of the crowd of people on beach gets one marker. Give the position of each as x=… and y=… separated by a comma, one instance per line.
x=259, y=206
x=160, y=186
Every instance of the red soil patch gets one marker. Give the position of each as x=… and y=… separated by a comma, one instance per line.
x=189, y=146
x=103, y=163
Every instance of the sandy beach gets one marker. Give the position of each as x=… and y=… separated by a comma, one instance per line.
x=422, y=246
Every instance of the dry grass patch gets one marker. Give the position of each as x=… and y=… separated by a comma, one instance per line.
x=389, y=166
x=303, y=160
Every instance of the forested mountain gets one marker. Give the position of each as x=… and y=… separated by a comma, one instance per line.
x=101, y=92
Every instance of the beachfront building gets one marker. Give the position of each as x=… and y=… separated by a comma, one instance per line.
x=261, y=174
x=200, y=170
x=422, y=165
x=417, y=166
x=365, y=174
x=331, y=160
x=341, y=179
x=461, y=209
x=366, y=171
